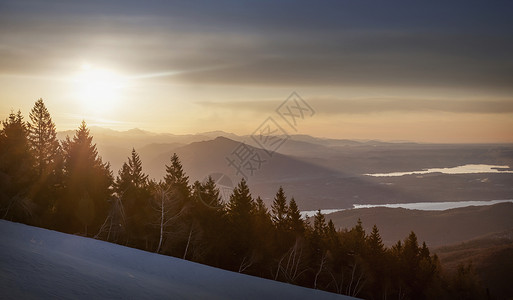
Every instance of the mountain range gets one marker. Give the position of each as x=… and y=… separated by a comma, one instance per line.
x=319, y=173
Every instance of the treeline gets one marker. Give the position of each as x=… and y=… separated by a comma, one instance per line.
x=67, y=187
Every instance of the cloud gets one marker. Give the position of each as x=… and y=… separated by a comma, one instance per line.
x=332, y=106
x=265, y=45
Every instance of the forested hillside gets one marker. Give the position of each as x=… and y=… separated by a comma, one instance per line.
x=68, y=187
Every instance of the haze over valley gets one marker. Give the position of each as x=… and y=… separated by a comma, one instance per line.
x=325, y=173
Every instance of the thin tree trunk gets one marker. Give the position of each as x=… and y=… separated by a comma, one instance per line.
x=188, y=242
x=161, y=224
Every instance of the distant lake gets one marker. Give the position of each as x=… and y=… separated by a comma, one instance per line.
x=466, y=169
x=417, y=205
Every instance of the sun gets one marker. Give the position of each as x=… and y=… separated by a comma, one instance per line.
x=98, y=90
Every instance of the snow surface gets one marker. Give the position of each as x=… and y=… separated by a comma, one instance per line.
x=37, y=263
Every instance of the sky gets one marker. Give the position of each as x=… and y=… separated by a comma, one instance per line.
x=425, y=71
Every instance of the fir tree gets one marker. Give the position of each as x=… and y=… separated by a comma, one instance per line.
x=296, y=225
x=279, y=210
x=319, y=228
x=130, y=176
x=357, y=242
x=87, y=185
x=16, y=170
x=183, y=224
x=261, y=209
x=177, y=181
x=132, y=189
x=47, y=160
x=241, y=204
x=241, y=221
x=209, y=218
x=374, y=242
x=43, y=138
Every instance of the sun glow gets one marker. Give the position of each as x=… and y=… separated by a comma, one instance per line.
x=97, y=90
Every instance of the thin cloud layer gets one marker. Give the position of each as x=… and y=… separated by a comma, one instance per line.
x=206, y=60
x=325, y=46
x=371, y=106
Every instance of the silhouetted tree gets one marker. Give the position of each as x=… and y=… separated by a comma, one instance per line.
x=378, y=279
x=132, y=207
x=47, y=159
x=279, y=210
x=87, y=181
x=296, y=225
x=43, y=139
x=240, y=217
x=177, y=181
x=208, y=219
x=16, y=170
x=182, y=228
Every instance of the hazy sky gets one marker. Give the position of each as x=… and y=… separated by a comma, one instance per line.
x=389, y=70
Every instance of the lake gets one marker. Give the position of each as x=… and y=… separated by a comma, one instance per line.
x=465, y=169
x=417, y=205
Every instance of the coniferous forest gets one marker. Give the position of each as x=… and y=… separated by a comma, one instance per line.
x=66, y=186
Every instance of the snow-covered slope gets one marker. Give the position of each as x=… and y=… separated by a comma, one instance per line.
x=41, y=264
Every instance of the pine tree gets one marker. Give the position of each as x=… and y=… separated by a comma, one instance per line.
x=209, y=217
x=357, y=240
x=241, y=221
x=260, y=208
x=43, y=138
x=139, y=179
x=241, y=204
x=317, y=235
x=87, y=184
x=208, y=196
x=16, y=170
x=319, y=228
x=279, y=210
x=177, y=181
x=378, y=277
x=182, y=226
x=47, y=159
x=374, y=242
x=296, y=225
x=132, y=190
x=131, y=177
x=123, y=181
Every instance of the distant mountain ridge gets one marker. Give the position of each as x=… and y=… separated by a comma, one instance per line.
x=437, y=228
x=319, y=173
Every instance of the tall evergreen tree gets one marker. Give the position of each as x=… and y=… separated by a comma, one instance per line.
x=241, y=205
x=177, y=180
x=87, y=185
x=209, y=219
x=43, y=138
x=261, y=209
x=374, y=242
x=357, y=241
x=319, y=227
x=263, y=228
x=131, y=176
x=279, y=210
x=296, y=225
x=132, y=189
x=240, y=216
x=317, y=235
x=47, y=159
x=378, y=279
x=182, y=226
x=16, y=170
